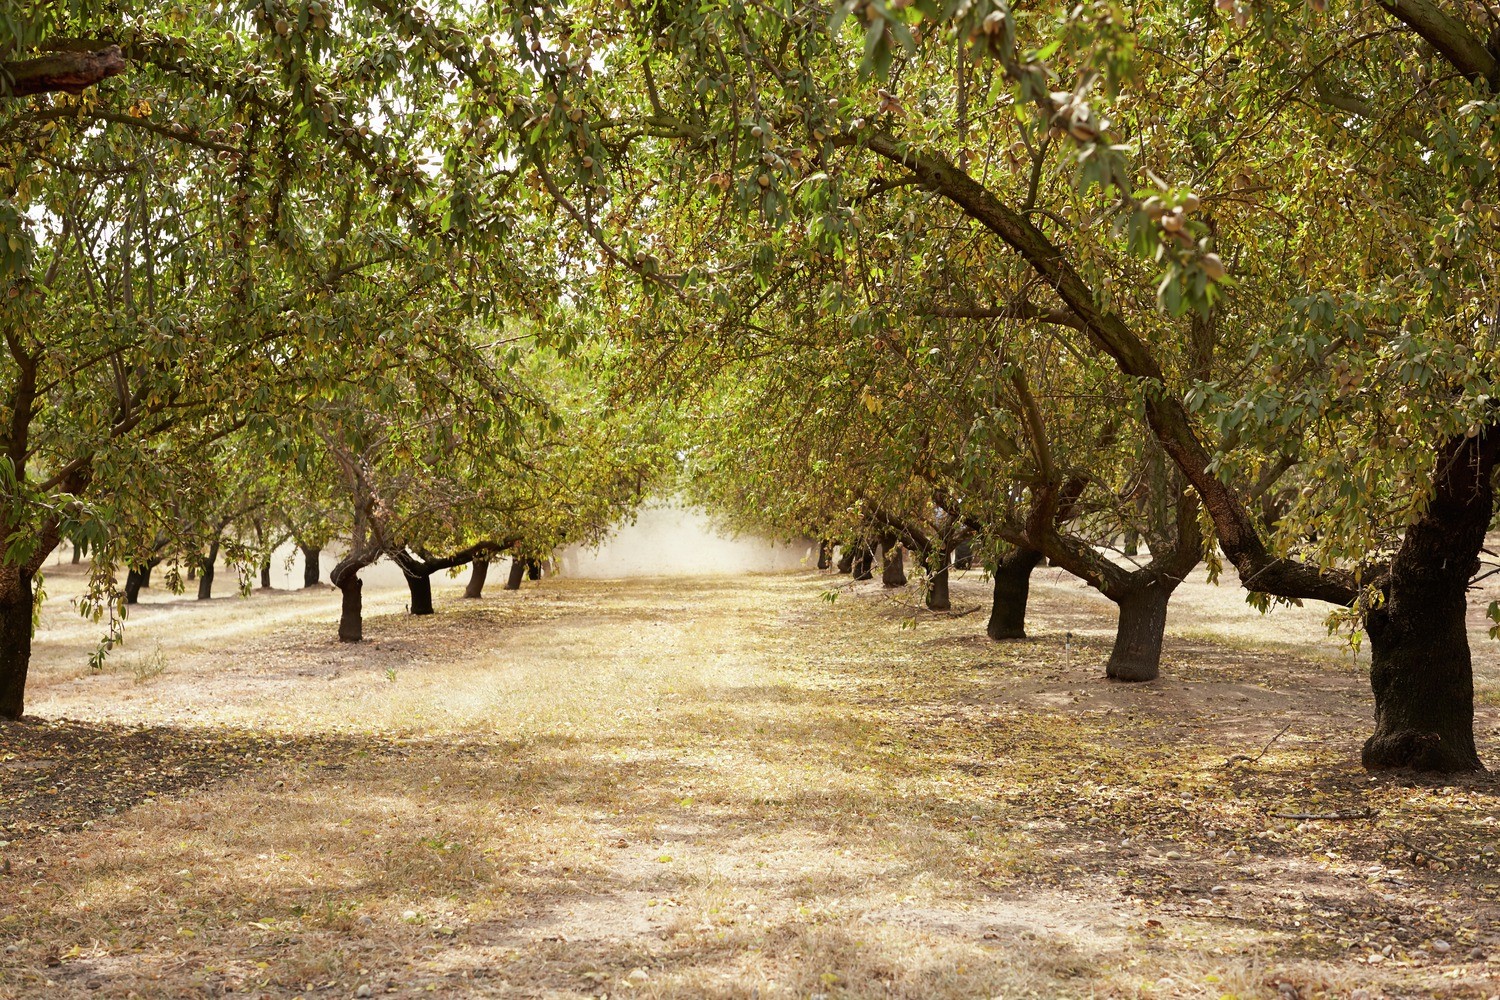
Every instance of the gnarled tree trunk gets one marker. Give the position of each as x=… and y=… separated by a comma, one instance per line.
x=310, y=569
x=1012, y=592
x=351, y=609
x=517, y=573
x=937, y=580
x=420, y=587
x=477, y=574
x=1136, y=655
x=864, y=562
x=134, y=580
x=15, y=642
x=892, y=564
x=206, y=576
x=1420, y=667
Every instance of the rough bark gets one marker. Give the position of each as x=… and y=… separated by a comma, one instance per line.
x=310, y=568
x=937, y=580
x=206, y=574
x=1420, y=666
x=1012, y=592
x=517, y=573
x=351, y=609
x=1136, y=655
x=420, y=587
x=65, y=72
x=15, y=646
x=864, y=562
x=134, y=581
x=477, y=574
x=892, y=565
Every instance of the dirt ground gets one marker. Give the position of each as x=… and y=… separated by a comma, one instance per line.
x=725, y=787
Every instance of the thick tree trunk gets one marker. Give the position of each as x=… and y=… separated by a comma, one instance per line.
x=206, y=577
x=1420, y=666
x=533, y=569
x=825, y=554
x=1138, y=637
x=134, y=581
x=846, y=559
x=265, y=575
x=1012, y=591
x=937, y=580
x=517, y=573
x=420, y=586
x=351, y=611
x=146, y=575
x=864, y=563
x=477, y=574
x=15, y=649
x=893, y=566
x=310, y=569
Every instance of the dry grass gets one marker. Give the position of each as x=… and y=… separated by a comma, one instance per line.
x=729, y=788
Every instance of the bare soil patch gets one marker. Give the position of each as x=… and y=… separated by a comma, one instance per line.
x=730, y=788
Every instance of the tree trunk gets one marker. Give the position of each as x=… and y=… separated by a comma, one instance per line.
x=192, y=573
x=963, y=555
x=265, y=575
x=1420, y=667
x=15, y=648
x=206, y=577
x=825, y=554
x=846, y=559
x=1138, y=637
x=134, y=581
x=893, y=566
x=533, y=569
x=351, y=612
x=864, y=563
x=517, y=573
x=937, y=581
x=1132, y=542
x=77, y=554
x=477, y=574
x=420, y=586
x=1012, y=591
x=146, y=575
x=309, y=566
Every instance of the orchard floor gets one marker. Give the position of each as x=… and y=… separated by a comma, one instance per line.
x=724, y=788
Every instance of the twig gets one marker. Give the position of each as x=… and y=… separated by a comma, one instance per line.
x=1357, y=814
x=1424, y=851
x=1263, y=750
